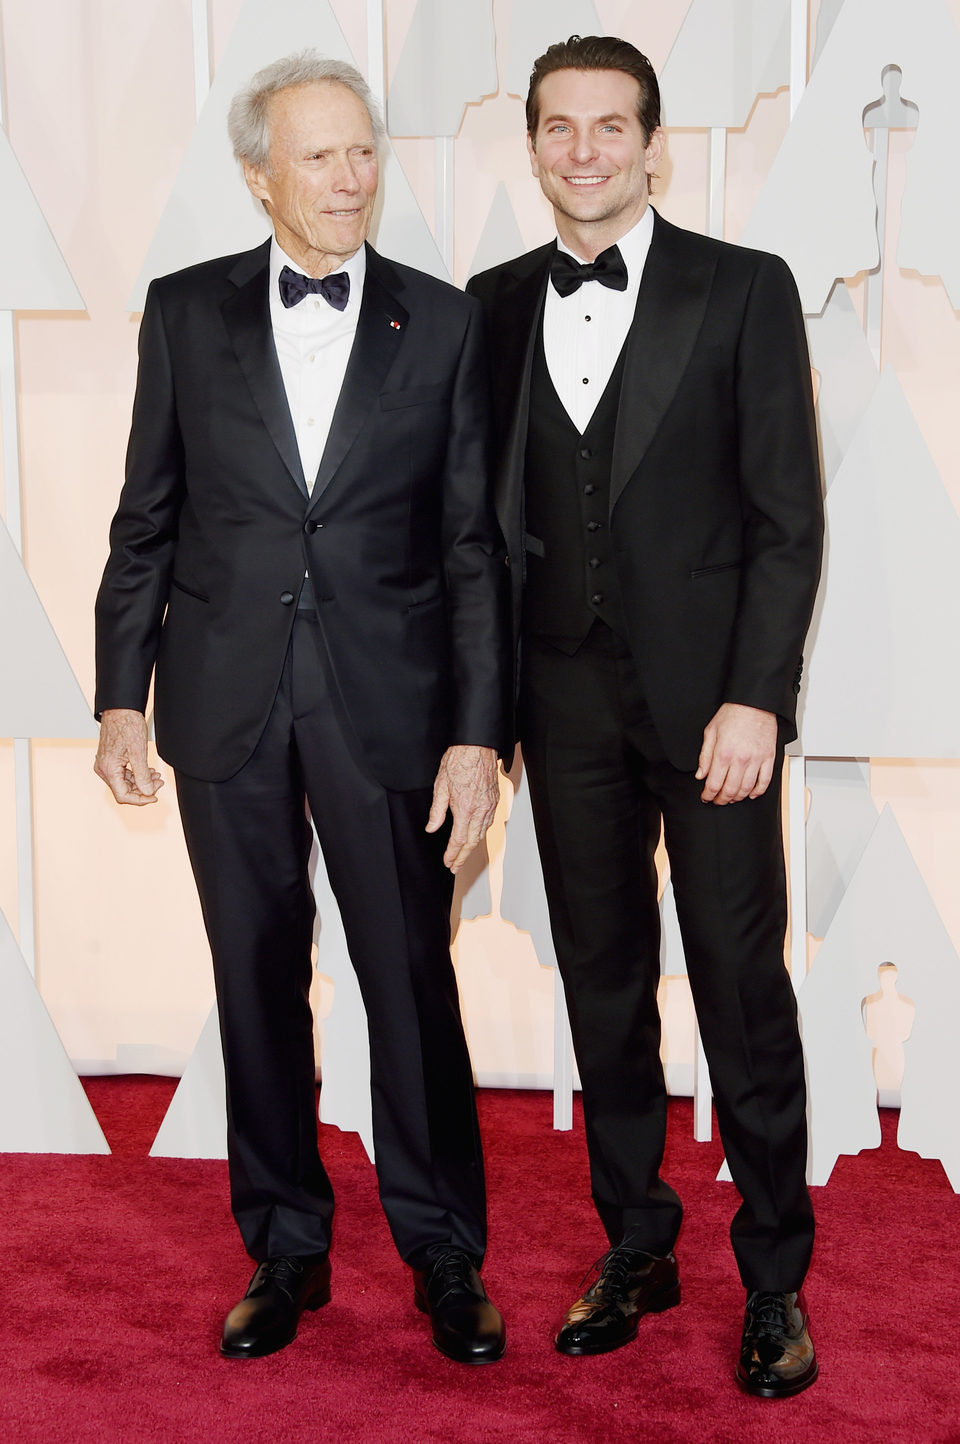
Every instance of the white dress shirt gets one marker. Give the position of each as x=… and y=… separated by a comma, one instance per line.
x=583, y=333
x=313, y=341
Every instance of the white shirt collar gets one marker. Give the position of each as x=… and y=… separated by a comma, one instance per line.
x=633, y=246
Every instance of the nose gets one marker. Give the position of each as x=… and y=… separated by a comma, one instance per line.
x=582, y=147
x=345, y=178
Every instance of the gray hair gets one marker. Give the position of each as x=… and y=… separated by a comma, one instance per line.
x=247, y=120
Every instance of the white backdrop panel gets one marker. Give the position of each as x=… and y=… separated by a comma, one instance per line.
x=535, y=24
x=39, y=695
x=33, y=273
x=841, y=821
x=43, y=1108
x=880, y=682
x=726, y=54
x=448, y=60
x=195, y=1124
x=886, y=916
x=500, y=239
x=848, y=375
x=817, y=208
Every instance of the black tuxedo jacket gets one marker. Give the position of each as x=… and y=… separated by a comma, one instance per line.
x=716, y=504
x=215, y=527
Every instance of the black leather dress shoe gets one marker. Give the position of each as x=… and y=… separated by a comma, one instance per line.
x=776, y=1354
x=629, y=1284
x=267, y=1316
x=466, y=1326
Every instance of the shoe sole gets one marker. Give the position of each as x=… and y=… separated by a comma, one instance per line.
x=657, y=1304
x=316, y=1301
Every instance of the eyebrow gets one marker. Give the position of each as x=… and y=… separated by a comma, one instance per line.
x=596, y=119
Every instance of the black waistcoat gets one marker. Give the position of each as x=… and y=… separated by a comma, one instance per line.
x=571, y=575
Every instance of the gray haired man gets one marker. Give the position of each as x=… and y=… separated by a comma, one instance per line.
x=305, y=552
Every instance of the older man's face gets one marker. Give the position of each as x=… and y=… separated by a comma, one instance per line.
x=321, y=181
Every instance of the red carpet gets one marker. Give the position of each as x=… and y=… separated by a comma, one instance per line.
x=117, y=1273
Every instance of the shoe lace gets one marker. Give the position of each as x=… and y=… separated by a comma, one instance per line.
x=613, y=1270
x=450, y=1272
x=769, y=1313
x=286, y=1273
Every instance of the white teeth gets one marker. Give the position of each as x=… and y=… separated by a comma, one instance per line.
x=587, y=180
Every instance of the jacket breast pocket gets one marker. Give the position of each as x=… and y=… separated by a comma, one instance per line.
x=712, y=571
x=413, y=396
x=189, y=591
x=421, y=603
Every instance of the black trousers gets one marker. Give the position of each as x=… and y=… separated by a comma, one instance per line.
x=600, y=784
x=249, y=842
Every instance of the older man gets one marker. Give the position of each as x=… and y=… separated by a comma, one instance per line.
x=305, y=548
x=660, y=493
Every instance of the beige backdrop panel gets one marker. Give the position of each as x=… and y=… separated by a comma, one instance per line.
x=100, y=129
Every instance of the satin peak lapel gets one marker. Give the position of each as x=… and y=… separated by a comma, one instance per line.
x=381, y=331
x=514, y=343
x=246, y=315
x=670, y=309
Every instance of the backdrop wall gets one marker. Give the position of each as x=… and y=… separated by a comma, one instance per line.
x=100, y=124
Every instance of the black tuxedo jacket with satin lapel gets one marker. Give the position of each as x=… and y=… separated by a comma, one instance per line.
x=716, y=506
x=215, y=527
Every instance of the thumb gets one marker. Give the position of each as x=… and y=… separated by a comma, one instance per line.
x=142, y=775
x=438, y=807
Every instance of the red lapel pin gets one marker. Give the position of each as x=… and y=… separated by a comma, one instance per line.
x=395, y=325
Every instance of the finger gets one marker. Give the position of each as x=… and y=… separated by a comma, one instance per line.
x=457, y=850
x=142, y=779
x=456, y=863
x=763, y=778
x=732, y=789
x=438, y=808
x=705, y=760
x=113, y=773
x=127, y=792
x=715, y=779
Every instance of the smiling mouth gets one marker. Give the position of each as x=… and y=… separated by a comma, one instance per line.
x=586, y=180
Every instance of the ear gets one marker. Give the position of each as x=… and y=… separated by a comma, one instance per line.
x=654, y=151
x=257, y=181
x=532, y=153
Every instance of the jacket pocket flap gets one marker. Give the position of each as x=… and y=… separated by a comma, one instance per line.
x=413, y=396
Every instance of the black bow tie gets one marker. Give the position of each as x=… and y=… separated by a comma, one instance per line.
x=568, y=275
x=335, y=288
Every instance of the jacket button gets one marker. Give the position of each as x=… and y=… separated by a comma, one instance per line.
x=286, y=598
x=506, y=561
x=593, y=526
x=597, y=598
x=585, y=453
x=589, y=489
x=595, y=562
x=312, y=526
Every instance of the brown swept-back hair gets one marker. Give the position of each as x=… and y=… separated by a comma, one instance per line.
x=597, y=52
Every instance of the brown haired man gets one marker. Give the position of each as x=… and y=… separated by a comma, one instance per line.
x=660, y=494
